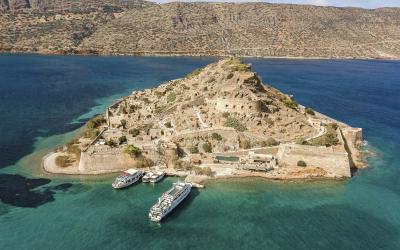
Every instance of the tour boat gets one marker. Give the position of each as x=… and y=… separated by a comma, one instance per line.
x=127, y=178
x=157, y=176
x=169, y=200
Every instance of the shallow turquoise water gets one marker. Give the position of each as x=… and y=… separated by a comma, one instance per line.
x=361, y=213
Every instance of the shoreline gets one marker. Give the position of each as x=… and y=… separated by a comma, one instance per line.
x=146, y=54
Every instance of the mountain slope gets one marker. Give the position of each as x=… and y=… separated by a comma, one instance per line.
x=248, y=29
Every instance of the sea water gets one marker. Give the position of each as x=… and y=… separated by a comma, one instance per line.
x=45, y=99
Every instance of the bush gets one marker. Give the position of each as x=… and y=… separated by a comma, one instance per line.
x=123, y=123
x=133, y=151
x=171, y=97
x=226, y=115
x=234, y=123
x=95, y=122
x=302, y=164
x=229, y=76
x=290, y=103
x=63, y=161
x=122, y=139
x=310, y=111
x=194, y=150
x=195, y=73
x=134, y=132
x=328, y=139
x=216, y=136
x=146, y=100
x=133, y=108
x=245, y=144
x=168, y=125
x=207, y=147
x=111, y=143
x=271, y=142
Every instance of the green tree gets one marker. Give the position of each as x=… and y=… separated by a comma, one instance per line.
x=207, y=147
x=216, y=136
x=133, y=151
x=134, y=132
x=123, y=123
x=122, y=139
x=301, y=164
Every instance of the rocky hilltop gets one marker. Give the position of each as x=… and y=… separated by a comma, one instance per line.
x=247, y=29
x=218, y=121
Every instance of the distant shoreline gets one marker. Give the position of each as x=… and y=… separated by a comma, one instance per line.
x=140, y=54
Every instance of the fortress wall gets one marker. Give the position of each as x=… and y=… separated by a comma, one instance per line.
x=104, y=162
x=232, y=105
x=225, y=132
x=335, y=163
x=353, y=138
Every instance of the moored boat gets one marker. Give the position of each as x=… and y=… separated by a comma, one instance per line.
x=147, y=177
x=127, y=178
x=169, y=200
x=157, y=176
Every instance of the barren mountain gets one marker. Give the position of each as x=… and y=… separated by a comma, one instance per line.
x=248, y=29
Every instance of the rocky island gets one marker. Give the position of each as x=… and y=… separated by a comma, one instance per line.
x=220, y=121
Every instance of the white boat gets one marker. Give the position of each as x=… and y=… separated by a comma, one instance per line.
x=127, y=178
x=147, y=177
x=157, y=176
x=169, y=200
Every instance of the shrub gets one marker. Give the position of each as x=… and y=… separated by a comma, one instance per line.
x=133, y=108
x=95, y=122
x=171, y=97
x=329, y=138
x=226, y=114
x=91, y=133
x=122, y=139
x=229, y=76
x=160, y=109
x=168, y=125
x=310, y=111
x=159, y=93
x=216, y=136
x=194, y=150
x=207, y=147
x=290, y=103
x=111, y=143
x=301, y=164
x=146, y=100
x=271, y=142
x=234, y=123
x=123, y=123
x=134, y=132
x=194, y=73
x=63, y=161
x=245, y=144
x=133, y=151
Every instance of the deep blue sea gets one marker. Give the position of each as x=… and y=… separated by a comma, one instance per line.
x=44, y=100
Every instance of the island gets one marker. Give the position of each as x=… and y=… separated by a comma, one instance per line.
x=217, y=122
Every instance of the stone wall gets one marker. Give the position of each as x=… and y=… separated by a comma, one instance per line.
x=104, y=162
x=232, y=105
x=335, y=162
